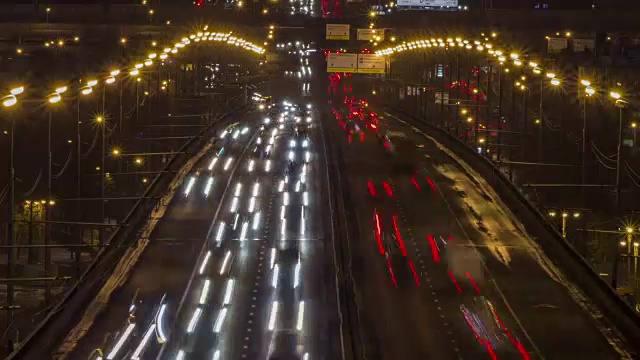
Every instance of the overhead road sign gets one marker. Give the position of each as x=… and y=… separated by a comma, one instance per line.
x=580, y=45
x=428, y=4
x=338, y=31
x=342, y=62
x=370, y=34
x=371, y=64
x=556, y=44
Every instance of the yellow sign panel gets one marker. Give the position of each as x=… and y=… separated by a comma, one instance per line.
x=342, y=62
x=338, y=31
x=371, y=64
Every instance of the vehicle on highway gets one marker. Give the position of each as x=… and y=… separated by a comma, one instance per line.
x=402, y=149
x=285, y=346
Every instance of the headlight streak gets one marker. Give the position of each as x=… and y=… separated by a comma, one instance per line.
x=267, y=120
x=285, y=198
x=192, y=180
x=216, y=355
x=207, y=188
x=271, y=141
x=223, y=134
x=300, y=321
x=228, y=292
x=283, y=228
x=160, y=334
x=213, y=163
x=273, y=315
x=302, y=221
x=252, y=204
x=272, y=261
x=238, y=189
x=143, y=343
x=286, y=179
x=245, y=130
x=235, y=221
x=235, y=134
x=281, y=186
x=205, y=292
x=305, y=143
x=180, y=355
x=274, y=132
x=305, y=198
x=227, y=164
x=220, y=320
x=259, y=141
x=276, y=276
x=251, y=164
x=243, y=231
x=220, y=231
x=292, y=156
x=296, y=274
x=225, y=262
x=256, y=221
x=194, y=320
x=307, y=156
x=308, y=119
x=298, y=186
x=234, y=204
x=205, y=261
x=256, y=189
x=292, y=144
x=267, y=166
x=282, y=212
x=121, y=341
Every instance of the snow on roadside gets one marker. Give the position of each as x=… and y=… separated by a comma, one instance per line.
x=126, y=263
x=613, y=337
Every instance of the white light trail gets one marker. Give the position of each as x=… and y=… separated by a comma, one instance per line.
x=225, y=262
x=281, y=126
x=274, y=132
x=305, y=356
x=252, y=204
x=234, y=204
x=271, y=141
x=194, y=320
x=192, y=180
x=220, y=320
x=216, y=355
x=281, y=186
x=205, y=292
x=300, y=321
x=245, y=130
x=276, y=276
x=292, y=143
x=227, y=164
x=213, y=163
x=309, y=119
x=291, y=155
x=307, y=156
x=285, y=199
x=180, y=355
x=286, y=179
x=251, y=164
x=282, y=212
x=228, y=292
x=273, y=315
x=204, y=262
x=160, y=334
x=256, y=221
x=296, y=274
x=305, y=143
x=267, y=120
x=143, y=343
x=283, y=228
x=267, y=165
x=298, y=186
x=235, y=134
x=243, y=231
x=207, y=188
x=238, y=189
x=235, y=221
x=302, y=221
x=273, y=258
x=121, y=341
x=224, y=133
x=305, y=198
x=256, y=189
x=259, y=141
x=220, y=231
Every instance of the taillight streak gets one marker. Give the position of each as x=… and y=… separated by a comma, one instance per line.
x=473, y=282
x=393, y=277
x=435, y=251
x=399, y=237
x=387, y=188
x=415, y=274
x=415, y=183
x=455, y=282
x=372, y=188
x=432, y=185
x=377, y=230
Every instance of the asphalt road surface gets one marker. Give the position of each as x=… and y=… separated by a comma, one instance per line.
x=441, y=269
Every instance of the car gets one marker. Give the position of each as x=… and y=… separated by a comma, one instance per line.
x=285, y=346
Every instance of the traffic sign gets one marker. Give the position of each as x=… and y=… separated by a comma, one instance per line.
x=370, y=34
x=338, y=31
x=371, y=64
x=342, y=62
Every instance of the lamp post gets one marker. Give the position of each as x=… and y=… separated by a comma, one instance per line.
x=84, y=91
x=620, y=104
x=53, y=99
x=9, y=101
x=564, y=214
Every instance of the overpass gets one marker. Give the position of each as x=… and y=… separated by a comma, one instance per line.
x=578, y=272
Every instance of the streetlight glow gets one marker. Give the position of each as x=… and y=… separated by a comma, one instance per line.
x=585, y=82
x=114, y=72
x=92, y=83
x=616, y=95
x=17, y=91
x=134, y=72
x=86, y=90
x=555, y=82
x=55, y=98
x=110, y=80
x=9, y=101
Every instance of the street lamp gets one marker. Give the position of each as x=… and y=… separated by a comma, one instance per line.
x=564, y=215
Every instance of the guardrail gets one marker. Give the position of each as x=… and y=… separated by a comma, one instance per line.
x=567, y=259
x=47, y=334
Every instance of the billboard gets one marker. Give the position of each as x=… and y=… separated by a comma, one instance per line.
x=370, y=34
x=371, y=64
x=580, y=45
x=342, y=62
x=556, y=44
x=338, y=31
x=427, y=4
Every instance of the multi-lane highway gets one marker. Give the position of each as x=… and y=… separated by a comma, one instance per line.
x=441, y=269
